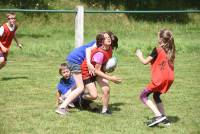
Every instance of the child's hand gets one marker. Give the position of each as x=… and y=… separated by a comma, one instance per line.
x=138, y=53
x=4, y=49
x=20, y=45
x=91, y=69
x=60, y=100
x=116, y=80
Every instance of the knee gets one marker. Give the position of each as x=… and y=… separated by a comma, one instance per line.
x=94, y=96
x=80, y=87
x=106, y=92
x=156, y=97
x=144, y=96
x=2, y=61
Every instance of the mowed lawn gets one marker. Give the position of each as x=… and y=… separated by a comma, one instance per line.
x=27, y=100
x=28, y=82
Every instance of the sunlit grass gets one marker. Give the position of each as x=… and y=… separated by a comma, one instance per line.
x=28, y=82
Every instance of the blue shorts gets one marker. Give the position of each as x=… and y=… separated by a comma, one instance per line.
x=74, y=68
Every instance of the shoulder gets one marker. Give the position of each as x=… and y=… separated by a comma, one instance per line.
x=98, y=54
x=61, y=80
x=154, y=53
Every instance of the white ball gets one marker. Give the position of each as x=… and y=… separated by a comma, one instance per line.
x=110, y=65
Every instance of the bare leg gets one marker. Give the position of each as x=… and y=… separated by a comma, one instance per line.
x=153, y=108
x=144, y=98
x=158, y=102
x=2, y=62
x=76, y=92
x=161, y=108
x=91, y=92
x=106, y=92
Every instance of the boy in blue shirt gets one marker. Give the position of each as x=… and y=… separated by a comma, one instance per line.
x=65, y=86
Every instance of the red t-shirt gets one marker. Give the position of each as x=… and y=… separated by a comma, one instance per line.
x=107, y=54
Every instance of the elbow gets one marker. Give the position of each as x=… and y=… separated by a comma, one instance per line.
x=145, y=62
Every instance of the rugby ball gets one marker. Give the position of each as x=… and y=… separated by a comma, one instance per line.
x=110, y=65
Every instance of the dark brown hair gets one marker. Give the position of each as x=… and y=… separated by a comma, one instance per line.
x=100, y=39
x=62, y=67
x=114, y=40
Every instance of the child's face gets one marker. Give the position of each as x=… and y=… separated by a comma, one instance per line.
x=107, y=40
x=65, y=73
x=12, y=19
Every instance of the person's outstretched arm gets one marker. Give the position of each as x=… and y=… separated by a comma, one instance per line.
x=106, y=76
x=141, y=57
x=17, y=42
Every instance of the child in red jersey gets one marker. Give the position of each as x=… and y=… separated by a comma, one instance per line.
x=99, y=57
x=162, y=72
x=7, y=33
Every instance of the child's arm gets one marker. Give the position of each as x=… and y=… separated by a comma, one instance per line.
x=108, y=77
x=57, y=97
x=4, y=49
x=88, y=57
x=141, y=58
x=18, y=44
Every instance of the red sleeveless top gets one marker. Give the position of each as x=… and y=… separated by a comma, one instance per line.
x=84, y=69
x=162, y=73
x=6, y=38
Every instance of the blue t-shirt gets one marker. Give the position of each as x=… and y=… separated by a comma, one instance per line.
x=65, y=85
x=78, y=55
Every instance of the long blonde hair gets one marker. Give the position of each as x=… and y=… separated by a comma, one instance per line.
x=166, y=41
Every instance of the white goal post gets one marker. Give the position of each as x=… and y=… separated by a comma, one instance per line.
x=79, y=26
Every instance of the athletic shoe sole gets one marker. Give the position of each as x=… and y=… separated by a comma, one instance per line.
x=60, y=112
x=157, y=121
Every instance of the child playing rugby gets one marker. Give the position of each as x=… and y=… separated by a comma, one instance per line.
x=162, y=73
x=65, y=86
x=7, y=33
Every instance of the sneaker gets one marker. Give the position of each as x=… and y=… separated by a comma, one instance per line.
x=107, y=112
x=156, y=120
x=71, y=105
x=61, y=111
x=166, y=122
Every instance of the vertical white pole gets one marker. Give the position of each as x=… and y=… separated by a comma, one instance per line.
x=79, y=26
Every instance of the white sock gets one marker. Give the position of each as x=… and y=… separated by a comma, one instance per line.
x=104, y=109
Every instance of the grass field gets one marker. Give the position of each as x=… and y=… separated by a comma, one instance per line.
x=27, y=83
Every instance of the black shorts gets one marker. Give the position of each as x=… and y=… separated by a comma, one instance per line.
x=89, y=80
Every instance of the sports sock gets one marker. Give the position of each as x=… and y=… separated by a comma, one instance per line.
x=104, y=109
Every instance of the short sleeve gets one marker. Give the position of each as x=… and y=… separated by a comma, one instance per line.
x=154, y=53
x=98, y=58
x=1, y=30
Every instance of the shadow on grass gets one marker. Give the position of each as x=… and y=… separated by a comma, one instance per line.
x=36, y=36
x=13, y=78
x=115, y=106
x=172, y=120
x=95, y=107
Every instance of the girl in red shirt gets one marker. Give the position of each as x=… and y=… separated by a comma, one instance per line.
x=162, y=75
x=99, y=57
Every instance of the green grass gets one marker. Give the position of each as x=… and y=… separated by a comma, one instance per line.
x=28, y=82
